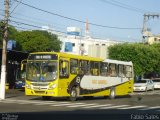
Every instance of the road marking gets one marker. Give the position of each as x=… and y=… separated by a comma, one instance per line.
x=150, y=108
x=61, y=104
x=97, y=106
x=82, y=105
x=46, y=103
x=67, y=104
x=117, y=106
x=7, y=101
x=35, y=102
x=23, y=103
x=132, y=107
x=51, y=103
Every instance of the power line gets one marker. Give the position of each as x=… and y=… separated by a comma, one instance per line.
x=42, y=24
x=35, y=26
x=69, y=18
x=25, y=24
x=21, y=27
x=29, y=18
x=124, y=6
x=15, y=7
x=130, y=6
x=17, y=22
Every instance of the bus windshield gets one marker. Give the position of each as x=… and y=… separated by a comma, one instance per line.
x=41, y=71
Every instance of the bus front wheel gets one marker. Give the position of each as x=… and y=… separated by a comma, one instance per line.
x=73, y=94
x=112, y=93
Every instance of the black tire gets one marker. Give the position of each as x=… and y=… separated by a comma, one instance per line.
x=153, y=89
x=146, y=89
x=112, y=94
x=46, y=97
x=73, y=94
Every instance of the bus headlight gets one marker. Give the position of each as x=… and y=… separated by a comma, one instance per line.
x=52, y=86
x=28, y=86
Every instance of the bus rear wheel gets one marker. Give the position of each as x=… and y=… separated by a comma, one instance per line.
x=112, y=93
x=73, y=94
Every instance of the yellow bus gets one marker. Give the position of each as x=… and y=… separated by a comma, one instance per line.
x=55, y=74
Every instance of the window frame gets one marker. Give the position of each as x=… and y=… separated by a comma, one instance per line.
x=67, y=75
x=76, y=67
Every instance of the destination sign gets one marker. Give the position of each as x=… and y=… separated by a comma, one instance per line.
x=43, y=57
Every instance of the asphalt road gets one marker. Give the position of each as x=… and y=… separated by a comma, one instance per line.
x=143, y=105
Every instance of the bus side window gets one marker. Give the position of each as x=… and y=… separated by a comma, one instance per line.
x=112, y=70
x=64, y=69
x=121, y=71
x=128, y=71
x=87, y=68
x=73, y=66
x=95, y=68
x=84, y=67
x=103, y=69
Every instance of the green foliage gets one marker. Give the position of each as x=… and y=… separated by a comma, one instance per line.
x=34, y=41
x=11, y=33
x=145, y=58
x=1, y=31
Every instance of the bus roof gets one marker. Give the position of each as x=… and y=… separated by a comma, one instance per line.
x=118, y=62
x=80, y=57
x=69, y=55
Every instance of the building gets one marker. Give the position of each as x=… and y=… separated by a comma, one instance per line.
x=153, y=39
x=90, y=47
x=75, y=43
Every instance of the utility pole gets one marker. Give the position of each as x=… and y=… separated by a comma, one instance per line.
x=4, y=51
x=144, y=30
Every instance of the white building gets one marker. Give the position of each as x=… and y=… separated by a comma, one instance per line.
x=153, y=39
x=82, y=45
x=75, y=43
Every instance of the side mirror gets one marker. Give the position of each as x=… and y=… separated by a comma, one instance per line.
x=22, y=67
x=23, y=62
x=64, y=65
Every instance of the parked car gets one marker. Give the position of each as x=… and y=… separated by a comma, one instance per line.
x=156, y=83
x=143, y=85
x=20, y=84
x=20, y=79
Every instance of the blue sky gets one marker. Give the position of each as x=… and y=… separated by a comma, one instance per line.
x=115, y=13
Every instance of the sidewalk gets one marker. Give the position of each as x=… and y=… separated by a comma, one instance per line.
x=17, y=94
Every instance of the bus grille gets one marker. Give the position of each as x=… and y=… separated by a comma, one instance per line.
x=40, y=84
x=39, y=92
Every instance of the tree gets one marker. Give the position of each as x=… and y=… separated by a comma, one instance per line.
x=145, y=58
x=34, y=41
x=11, y=32
x=1, y=33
